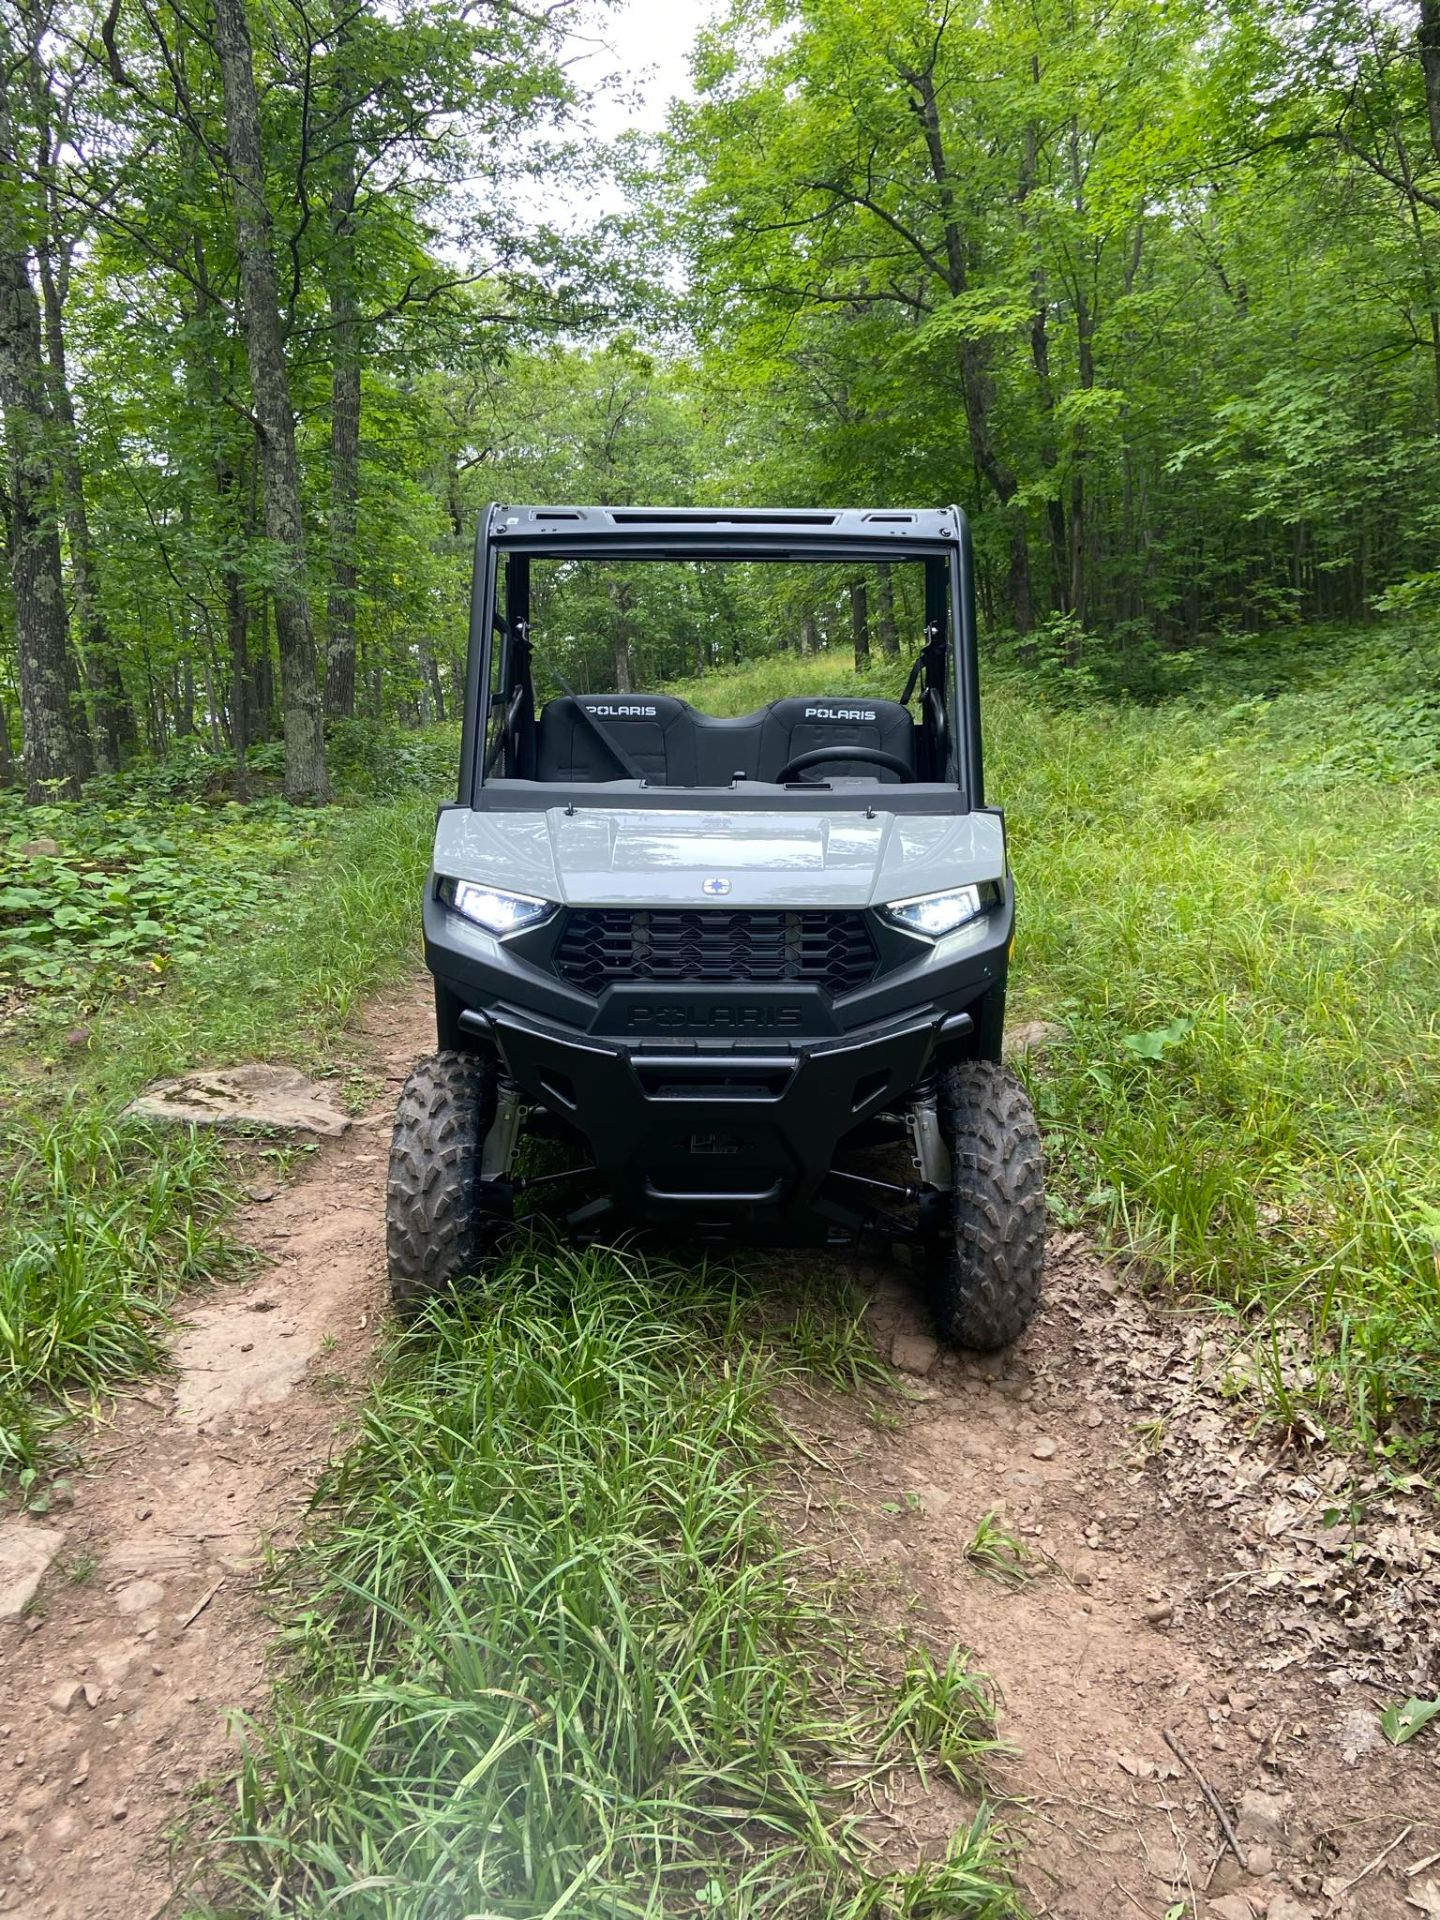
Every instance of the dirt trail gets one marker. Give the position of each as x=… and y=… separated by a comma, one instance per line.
x=1184, y=1583
x=149, y=1627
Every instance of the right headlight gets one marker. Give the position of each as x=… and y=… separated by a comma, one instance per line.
x=936, y=914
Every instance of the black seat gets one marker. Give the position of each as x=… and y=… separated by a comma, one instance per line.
x=654, y=732
x=793, y=727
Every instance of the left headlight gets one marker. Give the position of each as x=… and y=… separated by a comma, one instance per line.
x=934, y=914
x=492, y=908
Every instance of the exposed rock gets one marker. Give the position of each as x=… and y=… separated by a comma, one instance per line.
x=930, y=1499
x=25, y=1553
x=914, y=1353
x=257, y=1095
x=1044, y=1448
x=1284, y=1906
x=67, y=1694
x=1260, y=1815
x=1031, y=1037
x=139, y=1596
x=42, y=849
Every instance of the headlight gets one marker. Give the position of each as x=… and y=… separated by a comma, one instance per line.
x=492, y=908
x=934, y=914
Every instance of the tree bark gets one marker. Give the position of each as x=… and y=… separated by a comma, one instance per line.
x=860, y=623
x=1429, y=40
x=113, y=734
x=344, y=432
x=885, y=605
x=305, y=774
x=56, y=743
x=976, y=380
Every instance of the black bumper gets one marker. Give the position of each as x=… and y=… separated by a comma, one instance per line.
x=720, y=1108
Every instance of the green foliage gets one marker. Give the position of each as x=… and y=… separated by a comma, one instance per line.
x=143, y=876
x=547, y=1606
x=1401, y=1721
x=1145, y=288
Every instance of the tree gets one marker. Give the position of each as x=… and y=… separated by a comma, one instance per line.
x=305, y=772
x=56, y=745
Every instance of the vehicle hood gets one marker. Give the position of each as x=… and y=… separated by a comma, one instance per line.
x=613, y=856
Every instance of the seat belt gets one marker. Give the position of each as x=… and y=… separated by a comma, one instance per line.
x=616, y=752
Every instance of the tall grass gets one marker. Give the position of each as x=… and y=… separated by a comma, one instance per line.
x=105, y=1220
x=1228, y=900
x=548, y=1655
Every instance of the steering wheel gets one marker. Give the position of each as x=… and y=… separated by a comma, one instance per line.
x=818, y=756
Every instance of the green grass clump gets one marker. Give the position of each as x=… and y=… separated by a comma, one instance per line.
x=548, y=1655
x=1228, y=899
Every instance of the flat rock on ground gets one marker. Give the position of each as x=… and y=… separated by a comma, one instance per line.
x=25, y=1553
x=258, y=1095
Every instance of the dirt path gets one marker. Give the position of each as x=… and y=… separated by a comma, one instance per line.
x=149, y=1627
x=1258, y=1603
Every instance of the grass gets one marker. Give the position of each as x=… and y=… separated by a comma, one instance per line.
x=105, y=1220
x=547, y=1654
x=999, y=1555
x=1228, y=900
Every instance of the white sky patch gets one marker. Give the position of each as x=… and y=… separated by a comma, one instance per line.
x=634, y=57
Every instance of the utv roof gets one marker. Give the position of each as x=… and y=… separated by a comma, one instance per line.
x=731, y=530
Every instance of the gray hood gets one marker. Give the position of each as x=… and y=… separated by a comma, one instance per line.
x=614, y=856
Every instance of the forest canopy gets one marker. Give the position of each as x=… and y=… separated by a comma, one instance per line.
x=1153, y=292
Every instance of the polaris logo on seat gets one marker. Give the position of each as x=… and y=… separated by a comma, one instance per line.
x=624, y=713
x=840, y=713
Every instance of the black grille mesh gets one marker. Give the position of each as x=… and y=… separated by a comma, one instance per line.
x=601, y=944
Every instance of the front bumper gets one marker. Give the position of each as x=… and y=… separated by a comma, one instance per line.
x=722, y=1107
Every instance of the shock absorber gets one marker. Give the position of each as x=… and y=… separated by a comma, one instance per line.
x=497, y=1154
x=927, y=1144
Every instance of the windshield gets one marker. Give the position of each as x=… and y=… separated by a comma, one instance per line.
x=710, y=672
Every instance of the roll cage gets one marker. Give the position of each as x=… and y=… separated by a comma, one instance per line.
x=500, y=714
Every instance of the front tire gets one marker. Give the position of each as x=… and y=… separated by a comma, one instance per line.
x=438, y=1226
x=985, y=1274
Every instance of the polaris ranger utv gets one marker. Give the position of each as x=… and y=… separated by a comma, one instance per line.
x=722, y=960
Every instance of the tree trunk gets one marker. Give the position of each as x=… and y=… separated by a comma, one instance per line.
x=885, y=603
x=113, y=721
x=344, y=434
x=1429, y=39
x=621, y=606
x=977, y=384
x=305, y=774
x=860, y=623
x=7, y=752
x=56, y=744
x=809, y=635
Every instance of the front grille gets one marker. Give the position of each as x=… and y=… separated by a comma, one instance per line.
x=603, y=944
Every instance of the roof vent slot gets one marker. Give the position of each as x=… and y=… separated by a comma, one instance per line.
x=890, y=519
